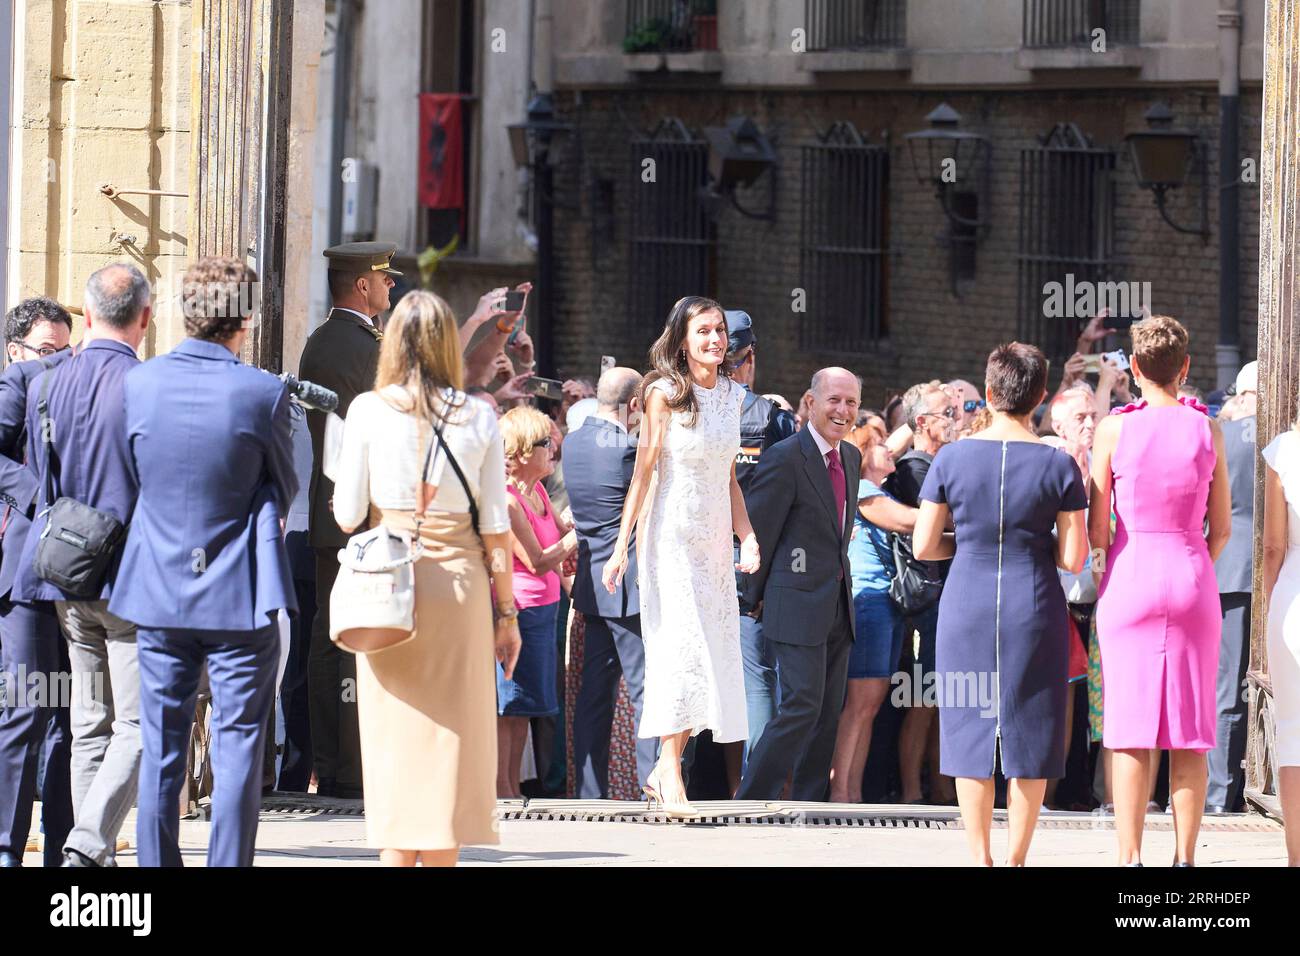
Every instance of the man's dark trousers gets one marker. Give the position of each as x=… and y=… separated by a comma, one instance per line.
x=612, y=648
x=332, y=684
x=33, y=644
x=1227, y=779
x=803, y=730
x=295, y=700
x=241, y=673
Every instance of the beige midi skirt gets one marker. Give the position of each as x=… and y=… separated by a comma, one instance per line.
x=427, y=708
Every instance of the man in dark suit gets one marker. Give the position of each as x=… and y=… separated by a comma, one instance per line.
x=1235, y=571
x=601, y=456
x=37, y=331
x=204, y=570
x=342, y=355
x=763, y=423
x=295, y=768
x=801, y=505
x=80, y=452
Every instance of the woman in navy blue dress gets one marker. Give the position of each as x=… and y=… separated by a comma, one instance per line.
x=1003, y=646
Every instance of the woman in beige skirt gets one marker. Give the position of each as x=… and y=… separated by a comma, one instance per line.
x=427, y=708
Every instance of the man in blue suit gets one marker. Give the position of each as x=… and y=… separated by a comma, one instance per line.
x=37, y=331
x=82, y=450
x=599, y=458
x=211, y=441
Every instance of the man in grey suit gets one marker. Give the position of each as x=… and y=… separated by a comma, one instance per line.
x=1235, y=569
x=601, y=456
x=801, y=504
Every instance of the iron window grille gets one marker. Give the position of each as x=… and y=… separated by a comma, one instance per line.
x=671, y=237
x=1067, y=229
x=1065, y=23
x=671, y=26
x=856, y=24
x=843, y=238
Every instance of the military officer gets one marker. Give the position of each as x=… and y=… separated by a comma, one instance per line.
x=341, y=355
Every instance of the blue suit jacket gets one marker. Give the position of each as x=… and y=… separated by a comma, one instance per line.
x=89, y=444
x=210, y=440
x=598, y=462
x=19, y=483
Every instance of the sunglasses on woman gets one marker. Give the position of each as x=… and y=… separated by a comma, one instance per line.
x=544, y=443
x=972, y=405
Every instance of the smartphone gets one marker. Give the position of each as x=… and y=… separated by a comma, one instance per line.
x=1119, y=358
x=1091, y=364
x=514, y=302
x=1118, y=322
x=544, y=388
x=514, y=333
x=606, y=363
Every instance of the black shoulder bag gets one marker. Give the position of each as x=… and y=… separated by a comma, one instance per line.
x=912, y=588
x=79, y=542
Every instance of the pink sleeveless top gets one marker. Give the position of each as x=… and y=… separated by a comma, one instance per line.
x=531, y=590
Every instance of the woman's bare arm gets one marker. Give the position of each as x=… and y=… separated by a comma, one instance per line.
x=887, y=514
x=1219, y=506
x=528, y=549
x=1071, y=541
x=929, y=542
x=1275, y=531
x=1099, y=488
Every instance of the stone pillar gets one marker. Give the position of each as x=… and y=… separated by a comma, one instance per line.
x=100, y=96
x=1279, y=338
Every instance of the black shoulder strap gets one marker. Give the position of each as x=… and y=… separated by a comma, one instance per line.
x=47, y=431
x=469, y=494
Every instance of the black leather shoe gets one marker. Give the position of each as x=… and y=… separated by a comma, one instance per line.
x=10, y=860
x=326, y=787
x=348, y=793
x=76, y=858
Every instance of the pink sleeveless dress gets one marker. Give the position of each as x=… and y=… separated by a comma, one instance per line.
x=1158, y=616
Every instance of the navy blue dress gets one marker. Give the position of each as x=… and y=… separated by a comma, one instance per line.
x=1003, y=647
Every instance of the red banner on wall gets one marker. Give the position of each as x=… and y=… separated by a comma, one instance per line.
x=442, y=172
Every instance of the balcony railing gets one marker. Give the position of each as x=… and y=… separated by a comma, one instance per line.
x=1066, y=23
x=671, y=26
x=856, y=24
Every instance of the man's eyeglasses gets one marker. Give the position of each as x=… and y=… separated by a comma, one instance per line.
x=44, y=351
x=972, y=405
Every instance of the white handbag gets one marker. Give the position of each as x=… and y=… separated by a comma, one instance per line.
x=372, y=604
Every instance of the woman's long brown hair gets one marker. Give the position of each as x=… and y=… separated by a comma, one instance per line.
x=668, y=362
x=421, y=353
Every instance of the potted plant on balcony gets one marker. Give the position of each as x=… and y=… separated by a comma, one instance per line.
x=704, y=25
x=648, y=36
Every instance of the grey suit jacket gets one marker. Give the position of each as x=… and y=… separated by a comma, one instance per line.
x=1235, y=566
x=803, y=543
x=341, y=355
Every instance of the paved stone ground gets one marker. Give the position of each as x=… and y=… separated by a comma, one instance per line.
x=334, y=835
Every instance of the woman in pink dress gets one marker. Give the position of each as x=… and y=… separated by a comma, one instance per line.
x=1158, y=616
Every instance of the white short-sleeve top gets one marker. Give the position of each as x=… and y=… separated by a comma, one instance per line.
x=384, y=449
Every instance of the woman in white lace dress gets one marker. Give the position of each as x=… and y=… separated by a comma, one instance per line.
x=1282, y=586
x=690, y=619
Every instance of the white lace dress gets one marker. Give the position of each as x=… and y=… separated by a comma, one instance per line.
x=694, y=677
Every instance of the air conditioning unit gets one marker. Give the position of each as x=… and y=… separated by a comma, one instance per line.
x=360, y=194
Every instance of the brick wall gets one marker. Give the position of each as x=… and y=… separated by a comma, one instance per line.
x=932, y=332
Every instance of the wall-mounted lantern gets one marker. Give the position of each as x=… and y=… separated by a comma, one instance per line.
x=739, y=154
x=944, y=156
x=1162, y=158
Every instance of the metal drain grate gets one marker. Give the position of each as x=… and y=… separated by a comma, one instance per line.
x=759, y=813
